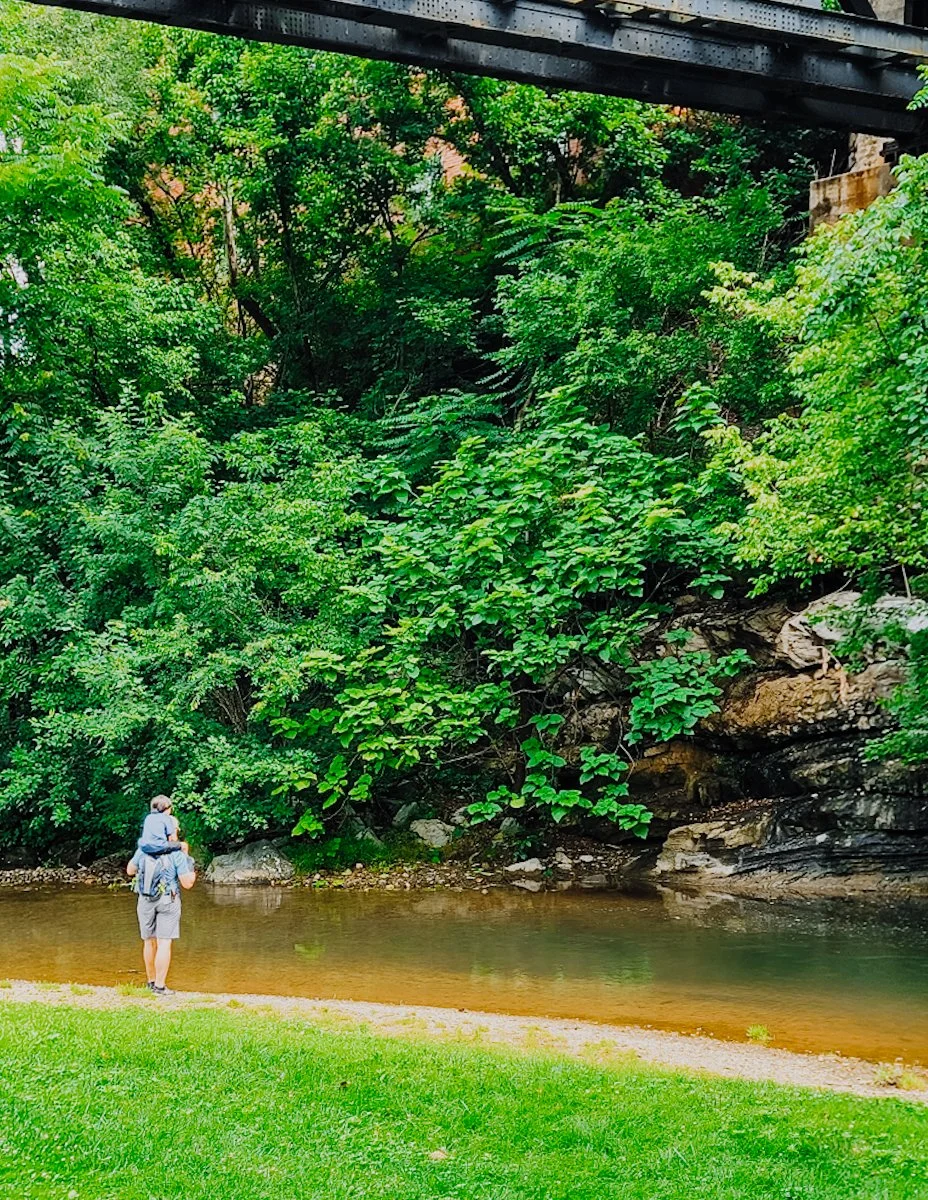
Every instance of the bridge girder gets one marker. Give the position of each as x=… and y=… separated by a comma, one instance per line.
x=767, y=58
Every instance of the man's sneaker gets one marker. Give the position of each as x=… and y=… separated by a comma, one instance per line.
x=162, y=991
x=150, y=985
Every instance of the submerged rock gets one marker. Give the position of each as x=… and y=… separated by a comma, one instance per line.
x=258, y=862
x=594, y=883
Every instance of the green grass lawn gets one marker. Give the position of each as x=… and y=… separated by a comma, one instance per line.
x=236, y=1105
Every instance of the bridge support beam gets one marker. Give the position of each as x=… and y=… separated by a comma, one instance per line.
x=805, y=65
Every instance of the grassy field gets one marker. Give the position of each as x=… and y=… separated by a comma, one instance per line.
x=235, y=1105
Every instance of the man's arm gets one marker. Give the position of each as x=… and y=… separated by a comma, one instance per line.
x=132, y=866
x=186, y=875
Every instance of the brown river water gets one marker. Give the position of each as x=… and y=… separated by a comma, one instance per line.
x=836, y=976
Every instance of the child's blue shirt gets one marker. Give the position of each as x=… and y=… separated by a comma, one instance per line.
x=157, y=829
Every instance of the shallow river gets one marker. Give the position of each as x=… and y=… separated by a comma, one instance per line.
x=821, y=977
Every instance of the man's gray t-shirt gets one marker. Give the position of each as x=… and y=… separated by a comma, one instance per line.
x=172, y=866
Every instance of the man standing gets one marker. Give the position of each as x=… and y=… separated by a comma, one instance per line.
x=160, y=881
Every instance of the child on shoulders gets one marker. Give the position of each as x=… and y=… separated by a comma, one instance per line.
x=160, y=829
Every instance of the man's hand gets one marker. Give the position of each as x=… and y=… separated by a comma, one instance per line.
x=131, y=869
x=185, y=847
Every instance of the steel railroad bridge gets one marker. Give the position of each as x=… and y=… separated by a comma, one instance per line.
x=778, y=59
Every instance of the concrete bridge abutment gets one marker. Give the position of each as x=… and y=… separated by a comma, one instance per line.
x=869, y=174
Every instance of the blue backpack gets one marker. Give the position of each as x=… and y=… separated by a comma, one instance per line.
x=155, y=877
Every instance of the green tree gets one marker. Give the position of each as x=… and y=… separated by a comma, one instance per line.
x=838, y=484
x=610, y=305
x=154, y=587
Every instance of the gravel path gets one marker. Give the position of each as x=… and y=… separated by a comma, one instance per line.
x=576, y=1039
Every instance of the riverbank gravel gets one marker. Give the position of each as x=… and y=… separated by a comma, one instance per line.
x=453, y=876
x=582, y=870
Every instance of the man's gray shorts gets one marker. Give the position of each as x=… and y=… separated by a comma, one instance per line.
x=159, y=917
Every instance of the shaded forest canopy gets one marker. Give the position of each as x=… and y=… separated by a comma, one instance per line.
x=355, y=418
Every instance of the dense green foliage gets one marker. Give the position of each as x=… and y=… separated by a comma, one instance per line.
x=339, y=1115
x=839, y=483
x=362, y=423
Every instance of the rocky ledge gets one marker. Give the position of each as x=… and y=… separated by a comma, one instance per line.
x=775, y=793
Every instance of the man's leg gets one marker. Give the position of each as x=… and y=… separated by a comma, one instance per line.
x=162, y=960
x=148, y=953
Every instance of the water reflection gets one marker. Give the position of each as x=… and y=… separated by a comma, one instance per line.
x=258, y=899
x=825, y=976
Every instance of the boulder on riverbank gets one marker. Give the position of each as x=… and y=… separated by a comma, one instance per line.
x=435, y=834
x=407, y=813
x=529, y=868
x=258, y=862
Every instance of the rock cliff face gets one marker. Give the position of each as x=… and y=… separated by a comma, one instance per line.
x=774, y=791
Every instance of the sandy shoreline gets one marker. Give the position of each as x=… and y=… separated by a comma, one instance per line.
x=585, y=1040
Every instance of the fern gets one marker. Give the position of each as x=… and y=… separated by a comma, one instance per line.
x=430, y=428
x=523, y=236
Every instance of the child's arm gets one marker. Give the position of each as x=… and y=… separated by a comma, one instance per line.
x=157, y=848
